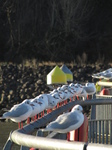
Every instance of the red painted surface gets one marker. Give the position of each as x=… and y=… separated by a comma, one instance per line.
x=105, y=92
x=80, y=134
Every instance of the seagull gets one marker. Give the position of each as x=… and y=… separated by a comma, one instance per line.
x=58, y=95
x=90, y=88
x=36, y=106
x=64, y=87
x=83, y=94
x=58, y=92
x=19, y=112
x=54, y=91
x=67, y=91
x=107, y=75
x=79, y=88
x=42, y=102
x=72, y=91
x=79, y=91
x=76, y=87
x=67, y=122
x=52, y=102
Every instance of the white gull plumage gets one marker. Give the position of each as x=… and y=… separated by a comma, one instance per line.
x=106, y=74
x=77, y=88
x=19, y=112
x=57, y=96
x=83, y=94
x=68, y=121
x=90, y=88
x=52, y=101
x=68, y=92
x=41, y=101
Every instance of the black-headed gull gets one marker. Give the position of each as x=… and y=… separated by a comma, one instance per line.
x=66, y=92
x=72, y=91
x=90, y=88
x=59, y=92
x=68, y=121
x=107, y=75
x=19, y=112
x=76, y=87
x=52, y=101
x=42, y=102
x=36, y=106
x=83, y=94
x=64, y=87
x=58, y=95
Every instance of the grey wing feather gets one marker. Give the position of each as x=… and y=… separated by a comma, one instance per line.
x=63, y=122
x=17, y=111
x=88, y=89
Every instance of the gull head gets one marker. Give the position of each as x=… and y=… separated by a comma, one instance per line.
x=26, y=101
x=61, y=94
x=64, y=87
x=77, y=108
x=43, y=98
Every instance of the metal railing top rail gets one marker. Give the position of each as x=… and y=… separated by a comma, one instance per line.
x=45, y=143
x=98, y=95
x=92, y=146
x=104, y=83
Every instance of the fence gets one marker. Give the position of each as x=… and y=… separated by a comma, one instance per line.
x=22, y=137
x=97, y=132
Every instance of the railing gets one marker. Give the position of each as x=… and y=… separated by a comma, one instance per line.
x=22, y=137
x=100, y=131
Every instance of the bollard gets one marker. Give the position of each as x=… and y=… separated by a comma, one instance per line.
x=81, y=134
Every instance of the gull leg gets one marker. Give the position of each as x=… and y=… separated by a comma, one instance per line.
x=32, y=119
x=68, y=136
x=70, y=99
x=19, y=126
x=35, y=117
x=73, y=98
x=58, y=105
x=28, y=121
x=43, y=112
